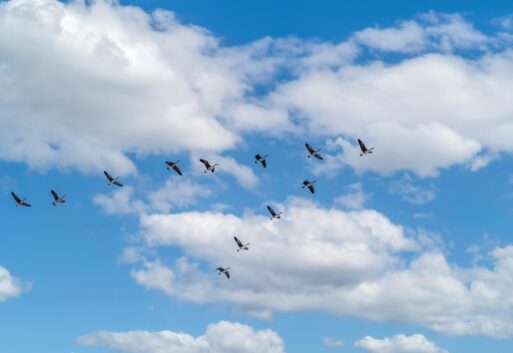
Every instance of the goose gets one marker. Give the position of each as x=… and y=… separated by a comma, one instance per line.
x=274, y=215
x=56, y=199
x=240, y=245
x=208, y=167
x=364, y=149
x=20, y=202
x=223, y=270
x=173, y=165
x=312, y=152
x=111, y=179
x=309, y=184
x=261, y=159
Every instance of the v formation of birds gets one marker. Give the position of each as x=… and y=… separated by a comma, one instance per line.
x=262, y=159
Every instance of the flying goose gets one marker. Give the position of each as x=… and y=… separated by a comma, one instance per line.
x=111, y=179
x=312, y=152
x=240, y=245
x=274, y=215
x=208, y=167
x=364, y=149
x=56, y=199
x=223, y=270
x=261, y=159
x=20, y=202
x=173, y=165
x=309, y=184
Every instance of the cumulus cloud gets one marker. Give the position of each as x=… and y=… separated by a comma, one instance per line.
x=332, y=342
x=354, y=199
x=112, y=80
x=412, y=193
x=399, y=344
x=222, y=337
x=348, y=263
x=9, y=285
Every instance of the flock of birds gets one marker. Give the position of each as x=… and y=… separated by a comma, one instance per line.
x=208, y=168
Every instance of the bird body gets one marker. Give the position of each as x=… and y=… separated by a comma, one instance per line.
x=56, y=199
x=20, y=202
x=261, y=159
x=240, y=245
x=312, y=152
x=111, y=179
x=364, y=148
x=309, y=184
x=274, y=215
x=208, y=166
x=221, y=270
x=173, y=165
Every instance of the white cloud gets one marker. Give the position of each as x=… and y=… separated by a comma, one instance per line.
x=222, y=337
x=432, y=31
x=354, y=199
x=10, y=286
x=412, y=193
x=332, y=342
x=175, y=193
x=345, y=263
x=399, y=344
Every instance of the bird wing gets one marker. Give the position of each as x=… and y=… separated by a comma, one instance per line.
x=238, y=242
x=362, y=145
x=54, y=194
x=258, y=157
x=115, y=182
x=311, y=188
x=176, y=169
x=220, y=269
x=205, y=162
x=227, y=274
x=306, y=182
x=309, y=148
x=271, y=211
x=264, y=163
x=317, y=155
x=23, y=203
x=108, y=175
x=18, y=200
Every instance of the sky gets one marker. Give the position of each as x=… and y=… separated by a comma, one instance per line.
x=405, y=250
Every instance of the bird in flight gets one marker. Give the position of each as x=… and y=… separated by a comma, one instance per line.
x=261, y=159
x=223, y=270
x=240, y=245
x=364, y=149
x=20, y=202
x=173, y=165
x=312, y=152
x=309, y=184
x=111, y=179
x=208, y=167
x=57, y=199
x=274, y=215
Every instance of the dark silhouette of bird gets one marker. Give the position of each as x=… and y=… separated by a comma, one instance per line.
x=208, y=167
x=274, y=215
x=261, y=159
x=363, y=148
x=20, y=202
x=312, y=152
x=56, y=199
x=309, y=184
x=173, y=165
x=221, y=270
x=240, y=245
x=111, y=179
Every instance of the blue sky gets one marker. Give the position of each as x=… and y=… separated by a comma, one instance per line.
x=404, y=250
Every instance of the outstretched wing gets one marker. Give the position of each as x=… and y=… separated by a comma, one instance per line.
x=115, y=182
x=362, y=145
x=238, y=242
x=176, y=169
x=205, y=162
x=54, y=194
x=220, y=269
x=18, y=200
x=311, y=188
x=227, y=274
x=309, y=148
x=108, y=176
x=271, y=211
x=23, y=203
x=264, y=163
